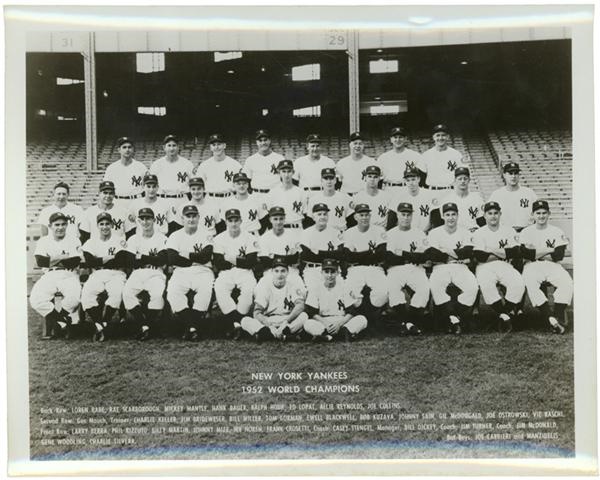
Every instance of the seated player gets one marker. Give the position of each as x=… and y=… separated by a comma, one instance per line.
x=332, y=308
x=250, y=206
x=162, y=207
x=218, y=170
x=379, y=201
x=209, y=217
x=106, y=197
x=494, y=246
x=278, y=306
x=470, y=204
x=148, y=256
x=288, y=196
x=450, y=248
x=338, y=202
x=404, y=260
x=55, y=296
x=189, y=251
x=235, y=254
x=543, y=246
x=104, y=255
x=420, y=198
x=73, y=212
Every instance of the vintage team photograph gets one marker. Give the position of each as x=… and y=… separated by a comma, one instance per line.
x=300, y=244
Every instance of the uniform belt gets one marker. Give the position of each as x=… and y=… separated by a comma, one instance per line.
x=455, y=262
x=261, y=190
x=128, y=197
x=394, y=184
x=433, y=187
x=54, y=269
x=219, y=195
x=312, y=189
x=363, y=265
x=292, y=225
x=168, y=195
x=149, y=266
x=312, y=265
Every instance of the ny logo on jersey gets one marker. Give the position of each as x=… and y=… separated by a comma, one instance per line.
x=452, y=165
x=111, y=250
x=341, y=305
x=339, y=212
x=182, y=177
x=70, y=219
x=228, y=176
x=208, y=221
x=372, y=246
x=287, y=249
x=382, y=210
x=524, y=203
x=242, y=251
x=502, y=243
x=288, y=304
x=274, y=169
x=153, y=252
x=458, y=244
x=252, y=214
x=197, y=248
x=330, y=246
x=551, y=243
x=117, y=224
x=161, y=218
x=297, y=206
x=473, y=211
x=424, y=209
x=136, y=181
x=410, y=165
x=363, y=174
x=413, y=246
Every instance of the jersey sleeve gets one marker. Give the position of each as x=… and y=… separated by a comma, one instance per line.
x=478, y=240
x=312, y=298
x=41, y=247
x=88, y=247
x=154, y=167
x=85, y=222
x=218, y=247
x=251, y=244
x=132, y=245
x=247, y=168
x=561, y=238
x=44, y=217
x=173, y=242
x=262, y=293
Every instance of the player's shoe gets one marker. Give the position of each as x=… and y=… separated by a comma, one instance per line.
x=412, y=329
x=345, y=335
x=237, y=331
x=455, y=326
x=504, y=323
x=144, y=333
x=263, y=334
x=286, y=333
x=99, y=333
x=556, y=327
x=323, y=338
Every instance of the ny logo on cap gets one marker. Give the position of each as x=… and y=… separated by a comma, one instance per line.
x=252, y=214
x=297, y=206
x=413, y=246
x=228, y=175
x=117, y=224
x=424, y=209
x=339, y=212
x=274, y=169
x=161, y=218
x=242, y=251
x=473, y=211
x=372, y=246
x=111, y=250
x=382, y=210
x=288, y=304
x=502, y=243
x=208, y=221
x=551, y=243
x=452, y=165
x=524, y=203
x=182, y=177
x=341, y=305
x=197, y=248
x=136, y=181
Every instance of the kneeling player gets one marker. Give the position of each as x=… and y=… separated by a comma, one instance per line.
x=278, y=305
x=332, y=308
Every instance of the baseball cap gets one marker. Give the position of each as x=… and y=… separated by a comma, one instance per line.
x=539, y=205
x=62, y=185
x=411, y=172
x=320, y=207
x=103, y=216
x=150, y=178
x=232, y=213
x=405, y=207
x=362, y=207
x=372, y=170
x=274, y=211
x=327, y=172
x=196, y=181
x=355, y=136
x=279, y=261
x=449, y=207
x=285, y=165
x=511, y=167
x=56, y=216
x=123, y=140
x=146, y=213
x=106, y=185
x=190, y=210
x=398, y=131
x=313, y=137
x=440, y=127
x=170, y=138
x=262, y=133
x=240, y=177
x=216, y=138
x=329, y=263
x=491, y=206
x=462, y=171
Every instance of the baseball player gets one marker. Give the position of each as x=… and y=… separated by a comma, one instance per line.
x=379, y=201
x=420, y=198
x=55, y=296
x=148, y=256
x=235, y=255
x=126, y=174
x=493, y=248
x=251, y=206
x=261, y=168
x=364, y=249
x=351, y=169
x=190, y=250
x=162, y=207
x=120, y=217
x=278, y=306
x=103, y=254
x=439, y=162
x=450, y=248
x=73, y=212
x=218, y=170
x=543, y=246
x=280, y=242
x=332, y=308
x=172, y=173
x=404, y=260
x=514, y=199
x=288, y=196
x=318, y=243
x=209, y=215
x=396, y=161
x=338, y=202
x=307, y=169
x=470, y=204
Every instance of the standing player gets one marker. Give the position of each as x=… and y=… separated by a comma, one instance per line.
x=250, y=206
x=396, y=161
x=351, y=169
x=421, y=199
x=278, y=306
x=307, y=169
x=404, y=258
x=332, y=308
x=470, y=204
x=148, y=256
x=514, y=199
x=493, y=248
x=235, y=256
x=172, y=173
x=218, y=170
x=450, y=248
x=59, y=256
x=544, y=246
x=209, y=215
x=338, y=202
x=73, y=212
x=261, y=168
x=120, y=218
x=162, y=208
x=288, y=196
x=379, y=201
x=104, y=255
x=190, y=250
x=126, y=174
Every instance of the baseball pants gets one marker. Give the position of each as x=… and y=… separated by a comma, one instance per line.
x=333, y=324
x=64, y=282
x=149, y=279
x=197, y=278
x=490, y=274
x=275, y=324
x=412, y=276
x=226, y=282
x=535, y=273
x=111, y=281
x=457, y=274
x=371, y=276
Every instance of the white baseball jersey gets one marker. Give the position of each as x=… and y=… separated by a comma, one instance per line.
x=308, y=171
x=138, y=244
x=339, y=208
x=73, y=212
x=251, y=209
x=352, y=172
x=330, y=301
x=285, y=244
x=412, y=240
x=119, y=216
x=439, y=165
x=327, y=240
x=488, y=240
x=277, y=301
x=379, y=204
x=161, y=208
x=357, y=241
x=262, y=170
x=48, y=247
x=172, y=176
x=128, y=179
x=103, y=248
x=208, y=213
x=422, y=204
x=515, y=205
x=447, y=242
x=218, y=174
x=185, y=243
x=549, y=237
x=470, y=208
x=393, y=164
x=243, y=244
x=293, y=201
